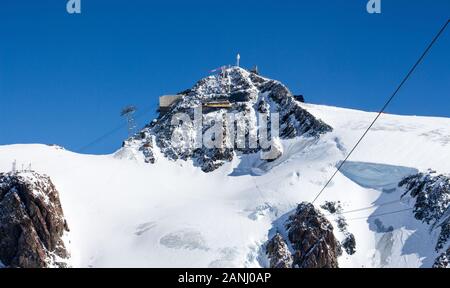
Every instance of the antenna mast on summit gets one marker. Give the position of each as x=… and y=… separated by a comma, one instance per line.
x=238, y=60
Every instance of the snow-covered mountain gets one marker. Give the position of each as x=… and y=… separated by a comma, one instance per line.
x=152, y=205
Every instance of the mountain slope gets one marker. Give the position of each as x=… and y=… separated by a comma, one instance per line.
x=127, y=213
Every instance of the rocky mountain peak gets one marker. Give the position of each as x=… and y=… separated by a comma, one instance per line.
x=249, y=97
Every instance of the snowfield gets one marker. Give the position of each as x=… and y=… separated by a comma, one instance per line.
x=125, y=213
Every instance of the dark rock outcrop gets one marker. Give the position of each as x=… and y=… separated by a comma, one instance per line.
x=443, y=261
x=312, y=238
x=432, y=194
x=278, y=253
x=349, y=244
x=32, y=223
x=332, y=207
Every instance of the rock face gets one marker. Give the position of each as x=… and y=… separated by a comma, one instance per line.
x=312, y=238
x=32, y=223
x=349, y=242
x=432, y=194
x=247, y=96
x=443, y=261
x=278, y=253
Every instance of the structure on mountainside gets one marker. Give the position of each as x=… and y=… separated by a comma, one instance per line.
x=167, y=101
x=14, y=168
x=218, y=104
x=128, y=113
x=255, y=70
x=299, y=98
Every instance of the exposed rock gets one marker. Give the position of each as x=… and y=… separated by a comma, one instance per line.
x=444, y=236
x=342, y=224
x=295, y=120
x=312, y=238
x=349, y=244
x=278, y=253
x=432, y=194
x=263, y=106
x=443, y=261
x=332, y=207
x=32, y=223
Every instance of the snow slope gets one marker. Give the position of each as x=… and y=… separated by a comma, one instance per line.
x=125, y=213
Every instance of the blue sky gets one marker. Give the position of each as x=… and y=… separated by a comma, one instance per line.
x=64, y=78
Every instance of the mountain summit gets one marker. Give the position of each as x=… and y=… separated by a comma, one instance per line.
x=234, y=91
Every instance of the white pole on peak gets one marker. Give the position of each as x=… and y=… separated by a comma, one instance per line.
x=238, y=60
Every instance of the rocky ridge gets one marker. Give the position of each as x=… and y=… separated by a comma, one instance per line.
x=32, y=223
